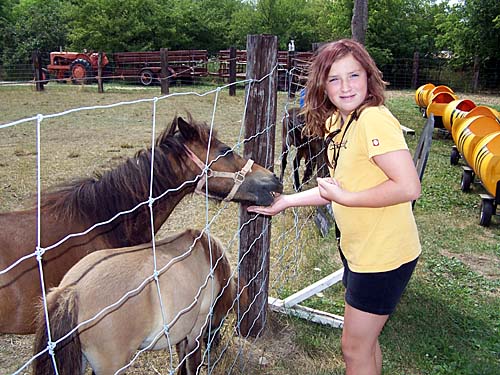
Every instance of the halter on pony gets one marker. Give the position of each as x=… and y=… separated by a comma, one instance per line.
x=238, y=177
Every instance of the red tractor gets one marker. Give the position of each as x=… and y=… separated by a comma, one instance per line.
x=79, y=67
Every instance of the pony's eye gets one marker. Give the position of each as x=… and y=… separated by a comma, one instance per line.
x=226, y=151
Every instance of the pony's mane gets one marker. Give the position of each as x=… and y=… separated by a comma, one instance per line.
x=99, y=198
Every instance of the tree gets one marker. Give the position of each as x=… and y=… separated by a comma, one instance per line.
x=115, y=25
x=359, y=23
x=398, y=28
x=34, y=24
x=210, y=22
x=470, y=29
x=5, y=26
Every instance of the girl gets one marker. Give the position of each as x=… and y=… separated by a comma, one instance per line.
x=373, y=182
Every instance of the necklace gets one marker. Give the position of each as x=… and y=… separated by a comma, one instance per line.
x=334, y=146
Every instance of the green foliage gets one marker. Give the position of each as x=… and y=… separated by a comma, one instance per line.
x=396, y=28
x=470, y=29
x=119, y=26
x=34, y=24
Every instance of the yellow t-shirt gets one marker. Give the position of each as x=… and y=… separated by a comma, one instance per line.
x=372, y=239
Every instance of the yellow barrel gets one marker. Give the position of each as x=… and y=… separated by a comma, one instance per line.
x=470, y=131
x=421, y=94
x=438, y=103
x=480, y=110
x=487, y=162
x=436, y=90
x=456, y=109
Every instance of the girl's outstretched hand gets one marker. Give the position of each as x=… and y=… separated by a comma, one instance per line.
x=276, y=207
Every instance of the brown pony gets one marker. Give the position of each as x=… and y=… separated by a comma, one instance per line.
x=112, y=296
x=311, y=149
x=75, y=208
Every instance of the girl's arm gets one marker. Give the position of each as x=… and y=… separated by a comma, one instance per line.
x=402, y=184
x=309, y=197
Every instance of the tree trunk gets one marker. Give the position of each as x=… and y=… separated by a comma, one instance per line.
x=359, y=22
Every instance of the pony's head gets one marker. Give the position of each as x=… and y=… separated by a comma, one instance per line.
x=222, y=173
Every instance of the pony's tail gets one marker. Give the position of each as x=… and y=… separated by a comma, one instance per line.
x=62, y=306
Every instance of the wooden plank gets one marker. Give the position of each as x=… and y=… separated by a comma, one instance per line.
x=407, y=131
x=312, y=289
x=312, y=315
x=486, y=196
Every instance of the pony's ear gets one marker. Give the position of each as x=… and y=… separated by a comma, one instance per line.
x=185, y=128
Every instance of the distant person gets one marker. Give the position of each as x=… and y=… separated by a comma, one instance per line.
x=373, y=182
x=302, y=98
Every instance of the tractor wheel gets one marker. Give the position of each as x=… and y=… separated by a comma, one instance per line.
x=147, y=77
x=81, y=71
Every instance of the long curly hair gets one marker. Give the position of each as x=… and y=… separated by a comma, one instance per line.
x=317, y=107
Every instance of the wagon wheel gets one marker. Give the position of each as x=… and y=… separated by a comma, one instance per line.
x=466, y=181
x=487, y=209
x=147, y=77
x=81, y=71
x=454, y=156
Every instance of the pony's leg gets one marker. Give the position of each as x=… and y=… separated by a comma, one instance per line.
x=309, y=168
x=214, y=338
x=181, y=354
x=189, y=353
x=194, y=358
x=284, y=155
x=296, y=166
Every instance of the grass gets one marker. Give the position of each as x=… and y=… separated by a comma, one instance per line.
x=449, y=318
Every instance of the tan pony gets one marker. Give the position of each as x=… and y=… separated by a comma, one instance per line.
x=180, y=154
x=114, y=292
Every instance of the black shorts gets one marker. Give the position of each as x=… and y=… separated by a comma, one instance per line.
x=376, y=292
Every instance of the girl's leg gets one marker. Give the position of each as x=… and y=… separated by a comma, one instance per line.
x=360, y=346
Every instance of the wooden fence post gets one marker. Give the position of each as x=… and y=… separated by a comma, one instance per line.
x=100, y=87
x=475, y=75
x=37, y=67
x=164, y=71
x=232, y=70
x=414, y=78
x=255, y=231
